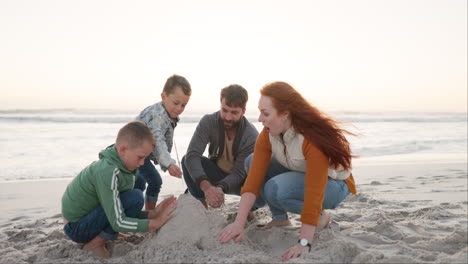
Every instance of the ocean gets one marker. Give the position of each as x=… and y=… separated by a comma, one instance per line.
x=43, y=144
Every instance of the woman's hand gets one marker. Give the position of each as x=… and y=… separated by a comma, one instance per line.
x=236, y=230
x=307, y=232
x=232, y=231
x=294, y=252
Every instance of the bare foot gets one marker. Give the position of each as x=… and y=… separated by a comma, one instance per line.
x=124, y=235
x=324, y=221
x=273, y=223
x=98, y=246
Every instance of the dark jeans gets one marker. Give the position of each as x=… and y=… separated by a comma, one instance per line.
x=148, y=174
x=95, y=222
x=214, y=174
x=212, y=171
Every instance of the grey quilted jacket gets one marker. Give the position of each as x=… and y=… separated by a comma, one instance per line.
x=162, y=125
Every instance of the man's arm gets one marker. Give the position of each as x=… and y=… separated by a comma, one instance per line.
x=196, y=148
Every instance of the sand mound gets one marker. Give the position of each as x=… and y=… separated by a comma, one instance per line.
x=192, y=236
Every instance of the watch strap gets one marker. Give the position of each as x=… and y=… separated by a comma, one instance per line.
x=308, y=244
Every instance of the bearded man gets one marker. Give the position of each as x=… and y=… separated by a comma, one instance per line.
x=231, y=139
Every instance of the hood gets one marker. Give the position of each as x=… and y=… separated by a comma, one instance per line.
x=111, y=154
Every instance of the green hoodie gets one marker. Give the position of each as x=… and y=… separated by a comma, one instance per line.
x=100, y=184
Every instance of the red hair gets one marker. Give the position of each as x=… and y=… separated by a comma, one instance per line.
x=318, y=128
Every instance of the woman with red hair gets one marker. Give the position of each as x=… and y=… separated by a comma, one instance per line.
x=301, y=164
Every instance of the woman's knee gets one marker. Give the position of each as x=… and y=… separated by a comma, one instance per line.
x=335, y=193
x=287, y=185
x=271, y=191
x=247, y=162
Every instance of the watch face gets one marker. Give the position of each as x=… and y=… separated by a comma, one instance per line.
x=304, y=242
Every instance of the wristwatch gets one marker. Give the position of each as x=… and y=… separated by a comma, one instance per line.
x=304, y=243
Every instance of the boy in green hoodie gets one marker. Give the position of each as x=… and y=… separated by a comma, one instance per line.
x=101, y=201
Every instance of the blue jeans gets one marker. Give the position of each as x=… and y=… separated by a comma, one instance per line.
x=148, y=174
x=283, y=190
x=214, y=174
x=95, y=222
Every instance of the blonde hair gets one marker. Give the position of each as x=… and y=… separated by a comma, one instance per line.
x=134, y=134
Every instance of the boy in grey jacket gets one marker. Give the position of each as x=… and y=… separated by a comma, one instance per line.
x=162, y=119
x=231, y=138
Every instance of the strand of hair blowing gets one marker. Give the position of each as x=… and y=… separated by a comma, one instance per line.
x=306, y=119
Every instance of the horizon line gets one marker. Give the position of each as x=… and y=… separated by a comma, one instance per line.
x=91, y=109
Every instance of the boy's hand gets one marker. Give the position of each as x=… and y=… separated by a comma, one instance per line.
x=175, y=171
x=162, y=213
x=160, y=207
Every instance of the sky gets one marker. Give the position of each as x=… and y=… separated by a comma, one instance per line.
x=367, y=55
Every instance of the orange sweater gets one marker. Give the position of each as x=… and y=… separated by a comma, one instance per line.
x=316, y=176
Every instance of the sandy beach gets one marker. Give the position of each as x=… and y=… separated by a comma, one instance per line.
x=413, y=211
x=383, y=81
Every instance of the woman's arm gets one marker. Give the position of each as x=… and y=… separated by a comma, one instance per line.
x=235, y=230
x=251, y=189
x=307, y=232
x=314, y=189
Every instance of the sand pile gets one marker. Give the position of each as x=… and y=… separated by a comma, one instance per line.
x=191, y=235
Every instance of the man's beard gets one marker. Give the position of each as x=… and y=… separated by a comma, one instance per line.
x=231, y=124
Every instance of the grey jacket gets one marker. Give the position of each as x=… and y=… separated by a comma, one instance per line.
x=210, y=130
x=162, y=125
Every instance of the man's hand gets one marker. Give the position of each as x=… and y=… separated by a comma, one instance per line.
x=175, y=171
x=214, y=195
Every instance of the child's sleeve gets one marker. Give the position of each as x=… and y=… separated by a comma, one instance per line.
x=159, y=127
x=109, y=198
